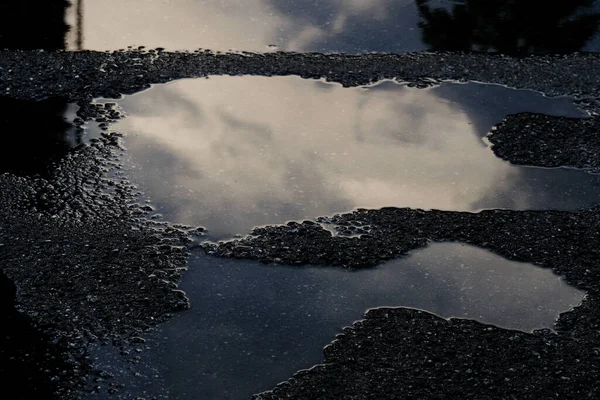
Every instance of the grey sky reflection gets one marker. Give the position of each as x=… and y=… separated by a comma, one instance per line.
x=300, y=25
x=252, y=326
x=231, y=153
x=350, y=26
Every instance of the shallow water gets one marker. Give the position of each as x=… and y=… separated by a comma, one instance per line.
x=352, y=26
x=252, y=325
x=232, y=153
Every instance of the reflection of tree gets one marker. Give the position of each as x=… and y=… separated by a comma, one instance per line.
x=34, y=135
x=509, y=26
x=33, y=24
x=24, y=352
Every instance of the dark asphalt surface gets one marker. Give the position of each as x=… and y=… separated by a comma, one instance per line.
x=401, y=353
x=35, y=74
x=549, y=142
x=88, y=265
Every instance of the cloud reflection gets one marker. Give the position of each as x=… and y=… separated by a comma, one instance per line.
x=249, y=151
x=301, y=25
x=349, y=26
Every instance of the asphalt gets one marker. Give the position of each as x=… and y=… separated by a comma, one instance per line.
x=89, y=265
x=533, y=139
x=400, y=354
x=34, y=74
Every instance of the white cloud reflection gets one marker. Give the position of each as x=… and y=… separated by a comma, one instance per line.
x=300, y=25
x=349, y=26
x=231, y=153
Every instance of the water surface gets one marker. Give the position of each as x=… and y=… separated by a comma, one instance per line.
x=352, y=26
x=252, y=325
x=232, y=153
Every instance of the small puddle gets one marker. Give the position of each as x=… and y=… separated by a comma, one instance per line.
x=332, y=25
x=232, y=153
x=252, y=325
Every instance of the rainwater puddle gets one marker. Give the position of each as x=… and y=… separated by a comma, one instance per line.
x=252, y=325
x=232, y=153
x=351, y=26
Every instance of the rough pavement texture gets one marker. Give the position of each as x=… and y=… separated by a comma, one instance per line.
x=39, y=74
x=86, y=265
x=410, y=354
x=541, y=140
x=564, y=241
x=35, y=366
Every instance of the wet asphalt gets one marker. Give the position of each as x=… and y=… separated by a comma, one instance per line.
x=89, y=265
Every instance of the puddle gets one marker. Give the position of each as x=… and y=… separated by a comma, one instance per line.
x=37, y=134
x=252, y=325
x=352, y=26
x=232, y=153
x=333, y=25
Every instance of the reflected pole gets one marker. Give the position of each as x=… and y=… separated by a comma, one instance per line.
x=79, y=11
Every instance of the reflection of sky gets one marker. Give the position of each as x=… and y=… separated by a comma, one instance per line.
x=299, y=25
x=351, y=26
x=231, y=153
x=252, y=326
